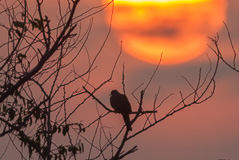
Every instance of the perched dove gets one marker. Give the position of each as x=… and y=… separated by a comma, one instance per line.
x=120, y=103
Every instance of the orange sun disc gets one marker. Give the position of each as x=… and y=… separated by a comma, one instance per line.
x=176, y=28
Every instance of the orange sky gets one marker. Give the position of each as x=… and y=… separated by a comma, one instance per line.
x=208, y=131
x=149, y=28
x=203, y=132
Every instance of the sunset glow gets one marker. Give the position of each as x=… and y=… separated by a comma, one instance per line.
x=176, y=28
x=144, y=1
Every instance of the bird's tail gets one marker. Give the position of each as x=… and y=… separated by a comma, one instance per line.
x=127, y=121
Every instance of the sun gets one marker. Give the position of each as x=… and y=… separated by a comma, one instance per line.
x=140, y=1
x=176, y=28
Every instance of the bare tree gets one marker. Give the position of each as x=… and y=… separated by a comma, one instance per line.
x=38, y=81
x=201, y=92
x=217, y=50
x=37, y=52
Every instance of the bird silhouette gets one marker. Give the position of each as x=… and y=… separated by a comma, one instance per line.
x=120, y=103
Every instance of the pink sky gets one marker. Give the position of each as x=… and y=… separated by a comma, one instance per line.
x=208, y=131
x=203, y=132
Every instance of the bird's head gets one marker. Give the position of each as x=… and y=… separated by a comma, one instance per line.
x=114, y=92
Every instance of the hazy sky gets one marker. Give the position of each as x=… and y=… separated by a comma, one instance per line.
x=208, y=131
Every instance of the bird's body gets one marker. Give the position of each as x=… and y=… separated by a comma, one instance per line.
x=120, y=103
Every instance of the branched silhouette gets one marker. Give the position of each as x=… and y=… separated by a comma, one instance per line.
x=37, y=70
x=40, y=86
x=204, y=90
x=216, y=49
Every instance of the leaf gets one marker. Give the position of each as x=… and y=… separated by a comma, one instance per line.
x=30, y=119
x=62, y=150
x=22, y=138
x=45, y=20
x=19, y=24
x=37, y=20
x=30, y=151
x=11, y=113
x=19, y=119
x=44, y=152
x=72, y=35
x=54, y=129
x=18, y=33
x=20, y=57
x=73, y=149
x=40, y=23
x=4, y=108
x=37, y=114
x=82, y=147
x=56, y=157
x=34, y=25
x=30, y=104
x=9, y=33
x=59, y=129
x=43, y=116
x=81, y=127
x=65, y=129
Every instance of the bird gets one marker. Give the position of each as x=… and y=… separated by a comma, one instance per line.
x=120, y=103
